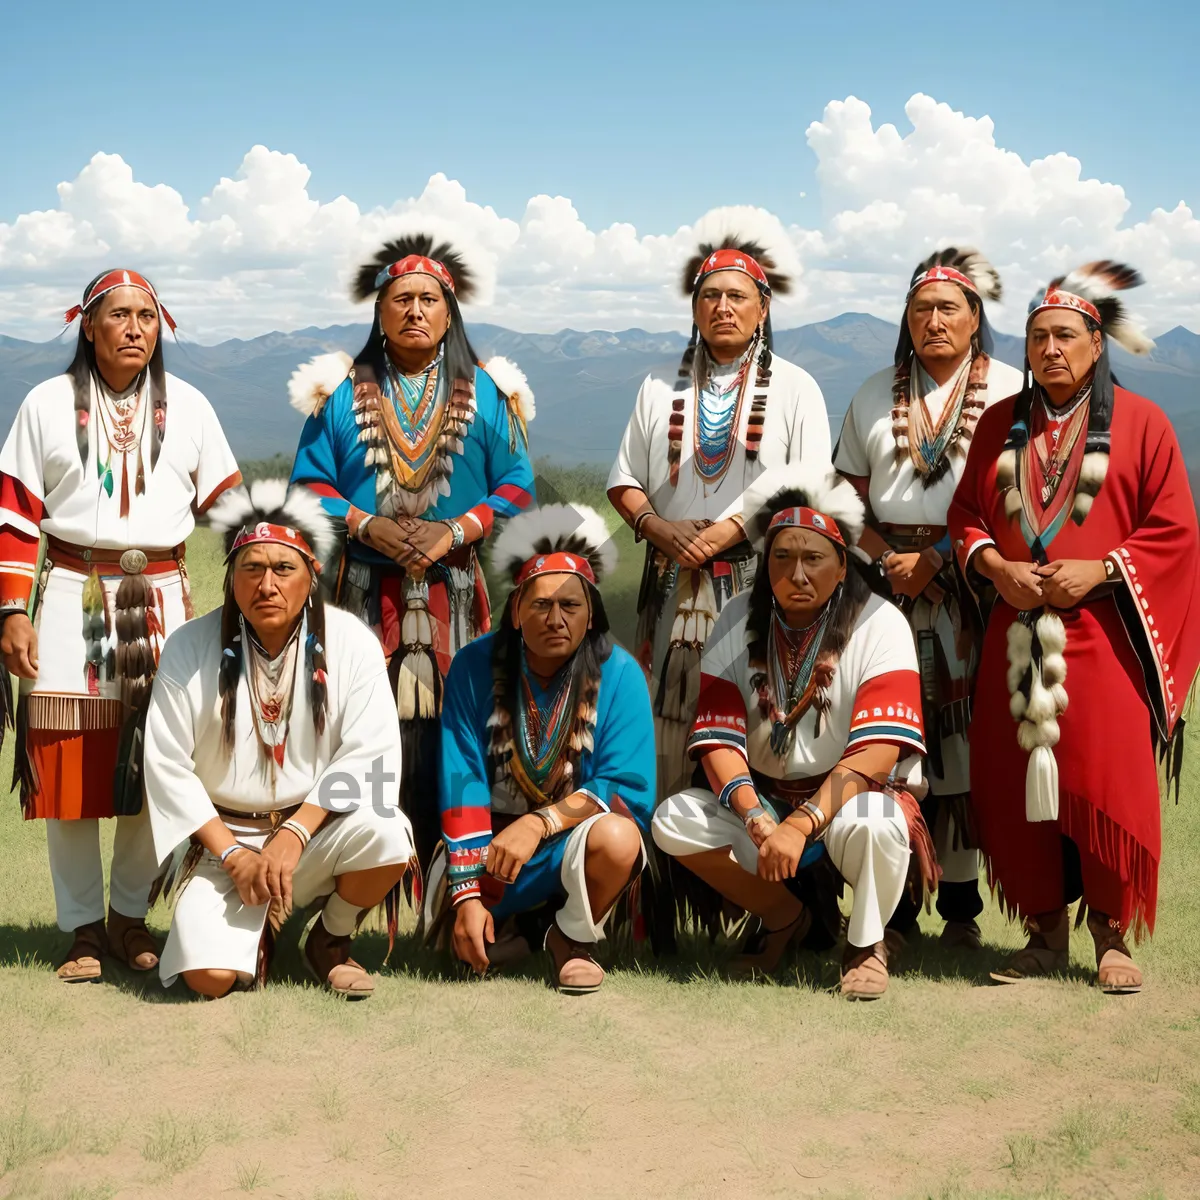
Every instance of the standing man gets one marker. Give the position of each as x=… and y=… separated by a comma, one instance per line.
x=904, y=444
x=1075, y=508
x=691, y=448
x=111, y=461
x=418, y=449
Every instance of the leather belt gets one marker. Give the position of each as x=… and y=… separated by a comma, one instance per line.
x=267, y=820
x=907, y=538
x=85, y=559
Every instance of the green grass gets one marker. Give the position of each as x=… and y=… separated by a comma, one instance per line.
x=671, y=1082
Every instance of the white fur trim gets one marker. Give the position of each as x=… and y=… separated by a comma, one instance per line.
x=747, y=223
x=300, y=507
x=556, y=525
x=511, y=382
x=313, y=382
x=1052, y=634
x=826, y=490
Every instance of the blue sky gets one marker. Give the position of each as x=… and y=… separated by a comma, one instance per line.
x=643, y=112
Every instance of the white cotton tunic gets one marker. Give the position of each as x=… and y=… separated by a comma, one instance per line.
x=188, y=772
x=795, y=429
x=868, y=447
x=195, y=465
x=875, y=696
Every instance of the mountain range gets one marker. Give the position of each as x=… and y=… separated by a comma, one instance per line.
x=585, y=382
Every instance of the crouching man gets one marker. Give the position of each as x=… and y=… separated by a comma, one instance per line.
x=273, y=746
x=547, y=780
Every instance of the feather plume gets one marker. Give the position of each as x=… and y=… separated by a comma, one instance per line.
x=313, y=382
x=753, y=231
x=572, y=528
x=277, y=503
x=818, y=488
x=463, y=262
x=1098, y=283
x=511, y=383
x=971, y=263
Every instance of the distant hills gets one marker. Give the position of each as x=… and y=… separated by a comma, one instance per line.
x=585, y=383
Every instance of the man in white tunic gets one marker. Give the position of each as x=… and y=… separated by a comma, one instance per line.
x=809, y=732
x=111, y=462
x=903, y=446
x=273, y=748
x=693, y=445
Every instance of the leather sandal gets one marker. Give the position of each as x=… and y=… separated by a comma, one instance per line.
x=962, y=935
x=896, y=943
x=1038, y=958
x=764, y=948
x=82, y=964
x=328, y=959
x=864, y=971
x=130, y=943
x=575, y=971
x=1117, y=975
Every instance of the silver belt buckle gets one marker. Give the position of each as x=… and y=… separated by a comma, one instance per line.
x=133, y=562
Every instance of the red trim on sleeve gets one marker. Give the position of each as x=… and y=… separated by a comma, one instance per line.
x=18, y=561
x=485, y=515
x=461, y=823
x=720, y=717
x=224, y=486
x=514, y=495
x=324, y=489
x=20, y=509
x=887, y=709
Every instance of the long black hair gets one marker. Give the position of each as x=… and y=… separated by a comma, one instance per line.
x=83, y=367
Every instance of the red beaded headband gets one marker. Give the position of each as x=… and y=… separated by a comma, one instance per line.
x=559, y=563
x=731, y=259
x=1057, y=298
x=415, y=264
x=112, y=281
x=807, y=518
x=280, y=535
x=942, y=274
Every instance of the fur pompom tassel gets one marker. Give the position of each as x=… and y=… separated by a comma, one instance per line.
x=1040, y=706
x=1012, y=504
x=1041, y=786
x=1052, y=635
x=512, y=384
x=313, y=382
x=1017, y=703
x=1020, y=654
x=1092, y=473
x=1006, y=469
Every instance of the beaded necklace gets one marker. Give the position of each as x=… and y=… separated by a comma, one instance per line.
x=542, y=733
x=118, y=417
x=791, y=670
x=271, y=683
x=718, y=417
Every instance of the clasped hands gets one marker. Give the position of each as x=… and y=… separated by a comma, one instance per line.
x=409, y=541
x=780, y=846
x=691, y=543
x=265, y=876
x=912, y=572
x=1060, y=584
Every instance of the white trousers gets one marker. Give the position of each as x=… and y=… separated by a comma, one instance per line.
x=77, y=869
x=867, y=841
x=212, y=929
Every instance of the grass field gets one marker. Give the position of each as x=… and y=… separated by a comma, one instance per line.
x=671, y=1082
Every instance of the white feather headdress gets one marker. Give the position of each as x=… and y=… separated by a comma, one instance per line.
x=554, y=528
x=277, y=503
x=968, y=261
x=821, y=489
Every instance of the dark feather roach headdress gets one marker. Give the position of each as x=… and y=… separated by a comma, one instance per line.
x=270, y=511
x=556, y=539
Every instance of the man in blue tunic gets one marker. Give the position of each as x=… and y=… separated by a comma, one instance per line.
x=547, y=783
x=417, y=447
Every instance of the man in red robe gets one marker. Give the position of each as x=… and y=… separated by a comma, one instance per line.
x=1074, y=510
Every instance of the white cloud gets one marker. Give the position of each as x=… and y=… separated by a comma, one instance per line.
x=259, y=253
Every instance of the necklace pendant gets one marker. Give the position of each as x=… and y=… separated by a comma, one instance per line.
x=779, y=735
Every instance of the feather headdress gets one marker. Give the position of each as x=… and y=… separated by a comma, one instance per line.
x=558, y=530
x=461, y=272
x=751, y=231
x=513, y=385
x=1093, y=290
x=273, y=503
x=965, y=261
x=824, y=491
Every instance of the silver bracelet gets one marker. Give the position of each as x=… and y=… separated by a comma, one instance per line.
x=457, y=534
x=550, y=818
x=362, y=527
x=229, y=850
